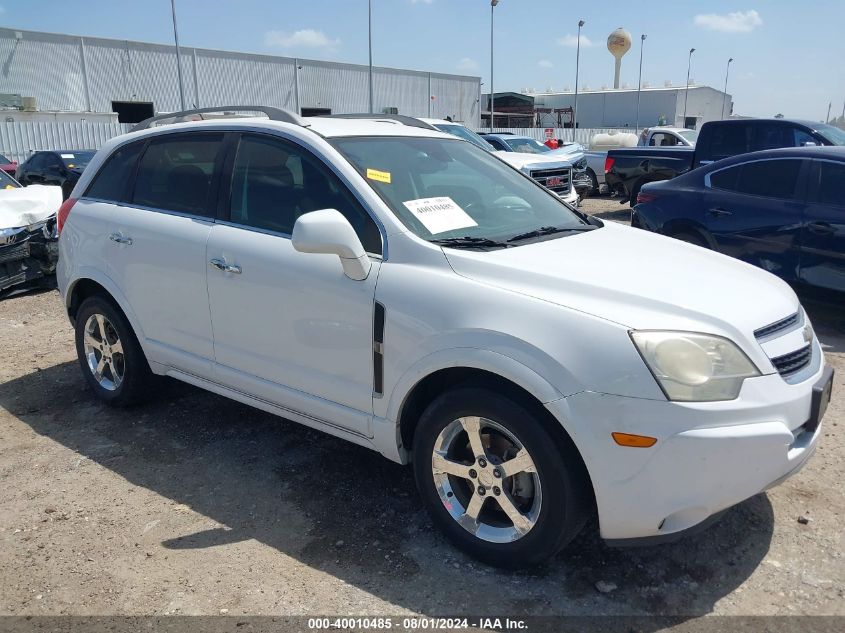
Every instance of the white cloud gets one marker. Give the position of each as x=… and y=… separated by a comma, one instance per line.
x=572, y=40
x=736, y=22
x=545, y=63
x=467, y=64
x=306, y=38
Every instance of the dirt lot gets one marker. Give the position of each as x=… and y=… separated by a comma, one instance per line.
x=198, y=505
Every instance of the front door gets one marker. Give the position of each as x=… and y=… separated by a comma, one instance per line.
x=753, y=210
x=290, y=327
x=823, y=230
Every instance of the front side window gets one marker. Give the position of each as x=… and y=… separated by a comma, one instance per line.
x=691, y=136
x=7, y=182
x=113, y=179
x=730, y=140
x=275, y=182
x=176, y=171
x=830, y=189
x=444, y=189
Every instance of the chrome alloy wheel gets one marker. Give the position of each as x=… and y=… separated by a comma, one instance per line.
x=104, y=352
x=486, y=479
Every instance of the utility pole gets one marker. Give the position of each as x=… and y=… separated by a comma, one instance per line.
x=493, y=4
x=370, y=21
x=178, y=56
x=577, y=62
x=686, y=92
x=725, y=98
x=640, y=82
x=829, y=106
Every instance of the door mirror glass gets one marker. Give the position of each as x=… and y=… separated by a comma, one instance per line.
x=327, y=231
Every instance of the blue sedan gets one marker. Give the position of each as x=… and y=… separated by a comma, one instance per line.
x=782, y=210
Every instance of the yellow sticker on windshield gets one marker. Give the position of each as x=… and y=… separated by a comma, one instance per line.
x=380, y=176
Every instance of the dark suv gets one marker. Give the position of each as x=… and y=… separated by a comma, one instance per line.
x=58, y=167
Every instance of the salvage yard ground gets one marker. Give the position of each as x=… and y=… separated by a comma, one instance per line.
x=195, y=504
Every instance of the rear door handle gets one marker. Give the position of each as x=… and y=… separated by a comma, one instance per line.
x=822, y=228
x=718, y=212
x=221, y=265
x=120, y=239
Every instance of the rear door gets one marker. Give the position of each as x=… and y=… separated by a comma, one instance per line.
x=823, y=229
x=158, y=239
x=31, y=170
x=754, y=210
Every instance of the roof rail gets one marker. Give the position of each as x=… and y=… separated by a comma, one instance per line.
x=274, y=114
x=398, y=118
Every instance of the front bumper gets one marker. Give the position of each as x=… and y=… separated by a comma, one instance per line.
x=708, y=457
x=27, y=254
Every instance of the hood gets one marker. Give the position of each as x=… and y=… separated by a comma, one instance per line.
x=638, y=279
x=25, y=206
x=537, y=161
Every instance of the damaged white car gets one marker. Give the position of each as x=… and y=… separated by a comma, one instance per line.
x=28, y=239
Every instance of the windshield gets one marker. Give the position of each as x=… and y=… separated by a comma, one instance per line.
x=6, y=181
x=465, y=133
x=4, y=160
x=690, y=135
x=76, y=160
x=441, y=189
x=832, y=134
x=526, y=145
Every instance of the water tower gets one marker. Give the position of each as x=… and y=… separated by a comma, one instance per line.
x=618, y=43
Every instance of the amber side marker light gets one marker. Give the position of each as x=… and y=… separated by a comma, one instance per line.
x=634, y=441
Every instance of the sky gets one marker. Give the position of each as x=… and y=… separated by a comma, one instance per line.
x=788, y=56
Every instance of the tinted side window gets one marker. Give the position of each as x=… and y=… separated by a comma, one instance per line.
x=802, y=138
x=830, y=185
x=772, y=136
x=36, y=161
x=51, y=161
x=275, y=182
x=114, y=178
x=770, y=178
x=175, y=173
x=725, y=178
x=730, y=140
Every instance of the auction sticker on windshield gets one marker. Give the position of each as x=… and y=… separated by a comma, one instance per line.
x=439, y=215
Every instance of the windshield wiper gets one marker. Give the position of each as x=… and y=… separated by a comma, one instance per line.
x=468, y=241
x=549, y=230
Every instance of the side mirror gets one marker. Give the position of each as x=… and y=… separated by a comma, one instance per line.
x=328, y=232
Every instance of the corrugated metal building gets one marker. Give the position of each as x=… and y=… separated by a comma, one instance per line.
x=87, y=74
x=618, y=108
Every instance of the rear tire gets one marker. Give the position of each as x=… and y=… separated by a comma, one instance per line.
x=518, y=503
x=109, y=354
x=594, y=182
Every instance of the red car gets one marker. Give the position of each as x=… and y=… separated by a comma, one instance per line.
x=9, y=166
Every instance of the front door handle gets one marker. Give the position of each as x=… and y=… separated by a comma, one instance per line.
x=719, y=212
x=221, y=265
x=120, y=239
x=822, y=228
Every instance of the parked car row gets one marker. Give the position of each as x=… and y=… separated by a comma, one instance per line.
x=627, y=170
x=61, y=168
x=411, y=293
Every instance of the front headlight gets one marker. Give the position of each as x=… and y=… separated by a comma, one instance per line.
x=694, y=367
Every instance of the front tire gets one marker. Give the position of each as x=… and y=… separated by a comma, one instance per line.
x=500, y=486
x=109, y=354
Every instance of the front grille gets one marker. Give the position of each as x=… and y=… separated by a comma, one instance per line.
x=795, y=361
x=560, y=179
x=14, y=253
x=777, y=326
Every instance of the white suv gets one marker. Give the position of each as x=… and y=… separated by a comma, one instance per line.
x=409, y=292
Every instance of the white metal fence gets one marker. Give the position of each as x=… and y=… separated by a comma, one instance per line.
x=581, y=135
x=19, y=139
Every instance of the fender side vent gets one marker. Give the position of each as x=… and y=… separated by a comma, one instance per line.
x=378, y=349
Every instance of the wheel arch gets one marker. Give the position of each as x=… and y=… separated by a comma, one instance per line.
x=685, y=225
x=86, y=286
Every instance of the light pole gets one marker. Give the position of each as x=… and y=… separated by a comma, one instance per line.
x=725, y=98
x=178, y=56
x=640, y=82
x=686, y=92
x=493, y=4
x=577, y=62
x=370, y=38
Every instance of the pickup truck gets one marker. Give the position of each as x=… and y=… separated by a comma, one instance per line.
x=627, y=170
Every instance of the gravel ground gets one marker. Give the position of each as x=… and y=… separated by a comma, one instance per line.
x=195, y=504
